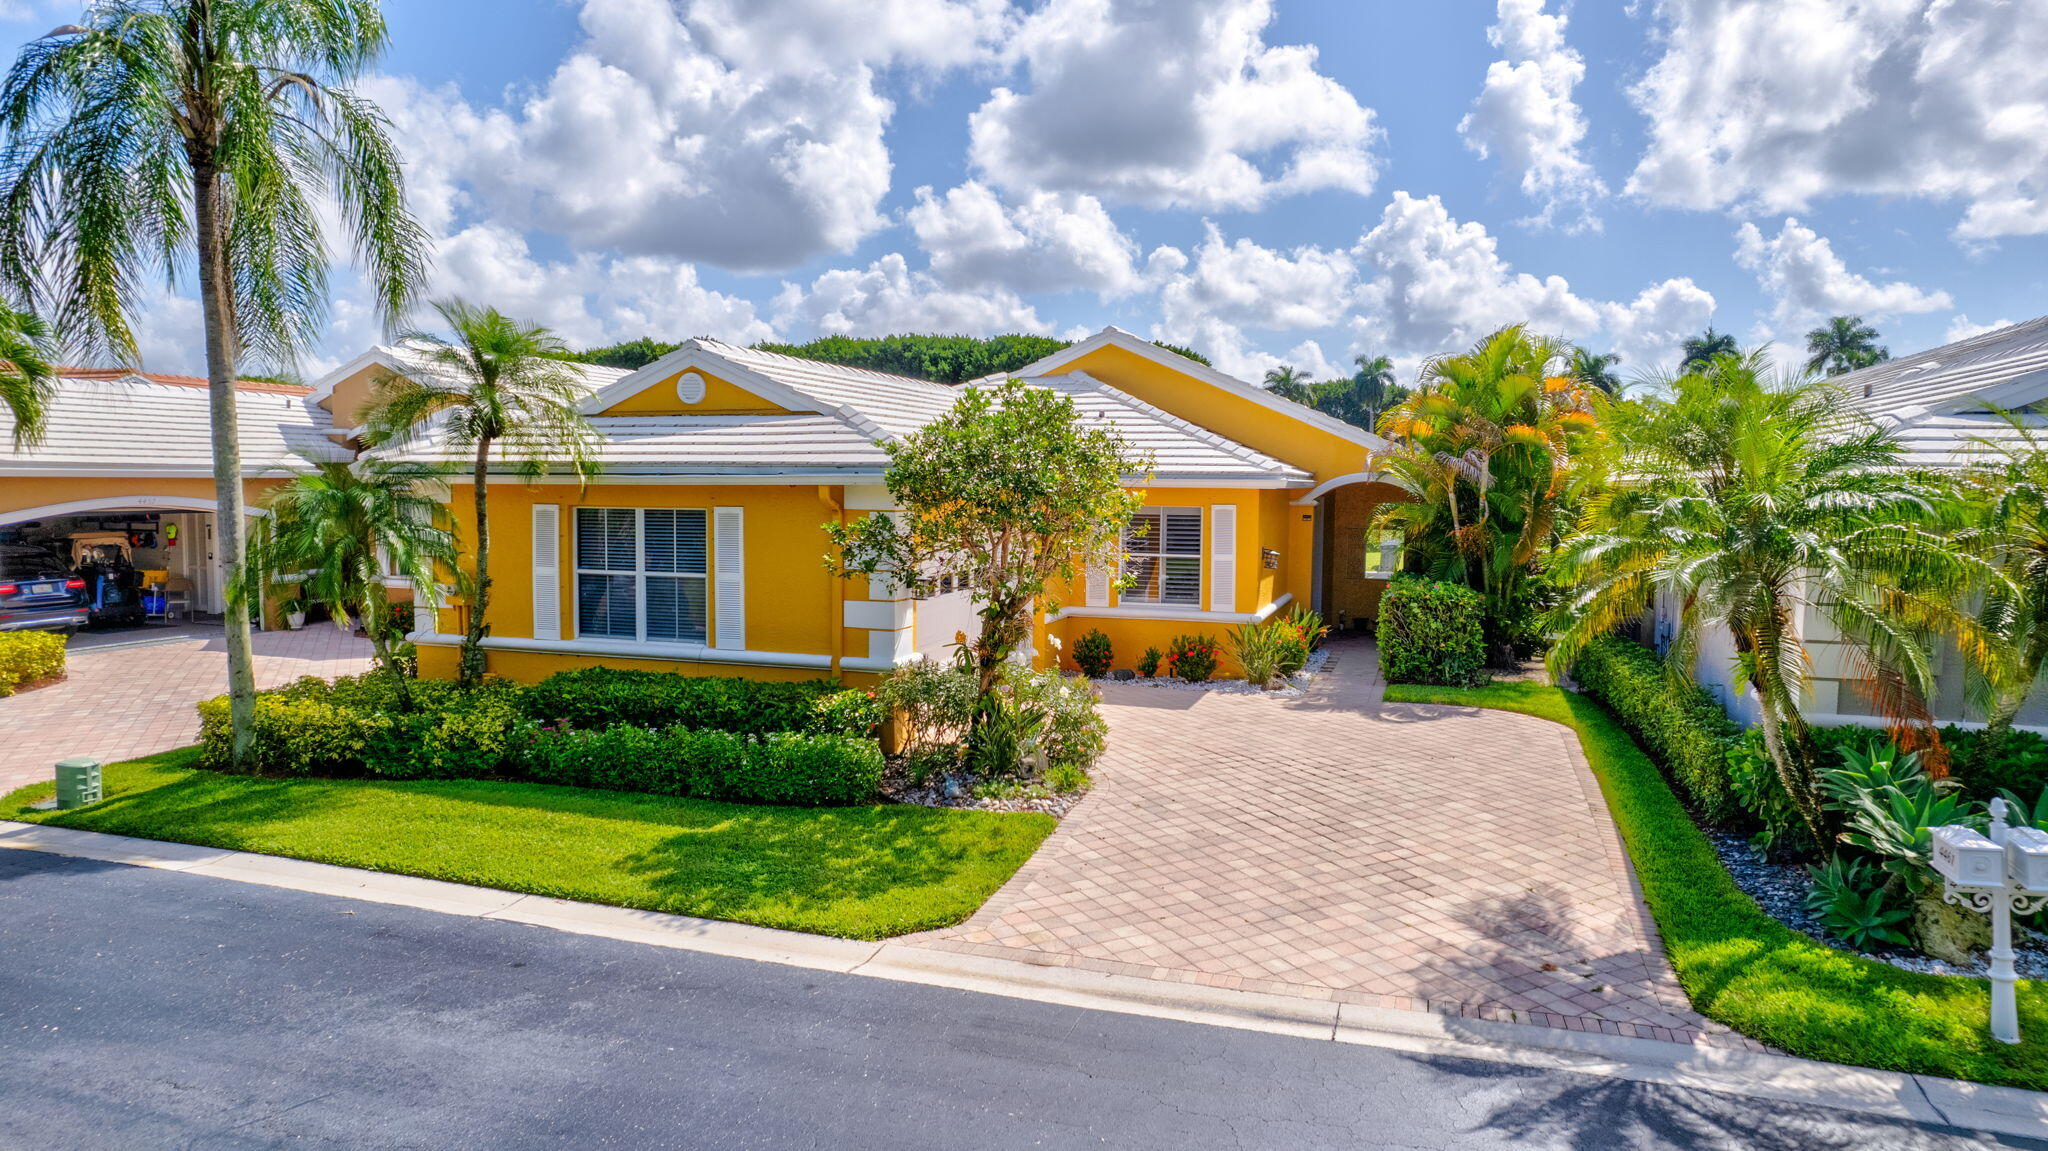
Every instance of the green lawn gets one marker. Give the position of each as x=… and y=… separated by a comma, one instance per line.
x=1751, y=972
x=857, y=872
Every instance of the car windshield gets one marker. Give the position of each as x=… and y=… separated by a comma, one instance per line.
x=18, y=563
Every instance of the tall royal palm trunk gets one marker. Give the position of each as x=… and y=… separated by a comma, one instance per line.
x=217, y=310
x=472, y=670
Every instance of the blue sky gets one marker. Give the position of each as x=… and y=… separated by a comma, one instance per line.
x=1270, y=181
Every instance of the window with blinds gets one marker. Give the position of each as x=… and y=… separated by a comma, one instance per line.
x=1163, y=557
x=642, y=573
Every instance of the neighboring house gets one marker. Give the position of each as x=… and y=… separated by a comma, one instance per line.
x=1944, y=405
x=700, y=548
x=133, y=452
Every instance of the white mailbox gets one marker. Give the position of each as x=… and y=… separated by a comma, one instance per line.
x=2026, y=855
x=1967, y=859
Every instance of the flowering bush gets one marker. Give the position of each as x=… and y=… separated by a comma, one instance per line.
x=1148, y=664
x=1093, y=654
x=1193, y=657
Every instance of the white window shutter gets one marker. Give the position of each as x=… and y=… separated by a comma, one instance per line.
x=547, y=571
x=1222, y=557
x=1097, y=591
x=728, y=558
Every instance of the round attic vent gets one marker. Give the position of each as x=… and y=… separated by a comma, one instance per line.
x=690, y=387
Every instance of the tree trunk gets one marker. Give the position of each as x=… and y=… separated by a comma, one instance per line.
x=217, y=311
x=472, y=666
x=1786, y=735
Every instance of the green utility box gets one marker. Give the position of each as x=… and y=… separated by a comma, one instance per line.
x=78, y=783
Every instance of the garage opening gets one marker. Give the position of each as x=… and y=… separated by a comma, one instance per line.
x=142, y=568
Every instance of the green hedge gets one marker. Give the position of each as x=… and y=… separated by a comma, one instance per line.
x=1432, y=632
x=598, y=697
x=29, y=657
x=787, y=768
x=356, y=726
x=1682, y=727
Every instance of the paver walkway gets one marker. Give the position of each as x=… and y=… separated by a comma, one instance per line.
x=1340, y=847
x=118, y=702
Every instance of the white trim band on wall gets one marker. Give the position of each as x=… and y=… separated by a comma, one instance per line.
x=680, y=652
x=1149, y=611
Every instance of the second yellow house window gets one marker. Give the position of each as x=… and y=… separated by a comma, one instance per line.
x=1163, y=557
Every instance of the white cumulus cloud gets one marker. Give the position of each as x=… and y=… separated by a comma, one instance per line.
x=1805, y=280
x=1179, y=104
x=888, y=297
x=749, y=136
x=1775, y=103
x=1525, y=115
x=1045, y=242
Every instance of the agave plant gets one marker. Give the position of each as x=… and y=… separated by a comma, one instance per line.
x=1853, y=905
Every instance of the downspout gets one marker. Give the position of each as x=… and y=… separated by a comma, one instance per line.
x=835, y=503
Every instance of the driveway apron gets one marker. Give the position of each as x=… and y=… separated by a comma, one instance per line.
x=1340, y=847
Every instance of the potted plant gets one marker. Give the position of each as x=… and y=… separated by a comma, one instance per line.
x=291, y=605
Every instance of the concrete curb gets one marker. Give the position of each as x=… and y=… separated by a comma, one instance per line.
x=1885, y=1094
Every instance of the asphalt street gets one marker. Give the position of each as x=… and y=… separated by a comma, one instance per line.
x=149, y=1009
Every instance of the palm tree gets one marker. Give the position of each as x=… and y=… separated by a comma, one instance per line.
x=2005, y=499
x=1844, y=344
x=1519, y=436
x=1370, y=391
x=1596, y=371
x=1745, y=497
x=159, y=129
x=25, y=373
x=499, y=385
x=1290, y=383
x=1704, y=348
x=347, y=524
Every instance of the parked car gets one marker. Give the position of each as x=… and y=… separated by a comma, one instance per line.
x=38, y=590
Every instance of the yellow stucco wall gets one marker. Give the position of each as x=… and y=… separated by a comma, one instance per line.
x=721, y=397
x=794, y=603
x=1323, y=454
x=351, y=394
x=19, y=493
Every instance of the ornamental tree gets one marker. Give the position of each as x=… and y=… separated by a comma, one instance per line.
x=1006, y=495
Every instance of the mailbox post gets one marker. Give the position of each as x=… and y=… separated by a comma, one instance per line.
x=2003, y=875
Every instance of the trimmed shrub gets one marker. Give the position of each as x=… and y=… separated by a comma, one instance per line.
x=291, y=735
x=1148, y=664
x=1682, y=727
x=1193, y=657
x=29, y=657
x=856, y=711
x=1093, y=655
x=352, y=727
x=813, y=770
x=594, y=697
x=1431, y=632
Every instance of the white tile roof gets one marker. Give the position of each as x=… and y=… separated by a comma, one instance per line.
x=131, y=425
x=856, y=412
x=898, y=405
x=1939, y=401
x=1180, y=450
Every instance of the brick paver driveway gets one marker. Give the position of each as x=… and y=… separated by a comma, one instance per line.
x=1336, y=846
x=120, y=701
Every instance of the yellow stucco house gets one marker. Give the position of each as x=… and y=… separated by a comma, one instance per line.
x=699, y=546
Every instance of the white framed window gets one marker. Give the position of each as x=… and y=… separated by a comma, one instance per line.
x=1382, y=554
x=1163, y=557
x=642, y=573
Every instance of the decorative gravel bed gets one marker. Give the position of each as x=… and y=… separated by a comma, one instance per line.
x=1780, y=889
x=1293, y=686
x=957, y=791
